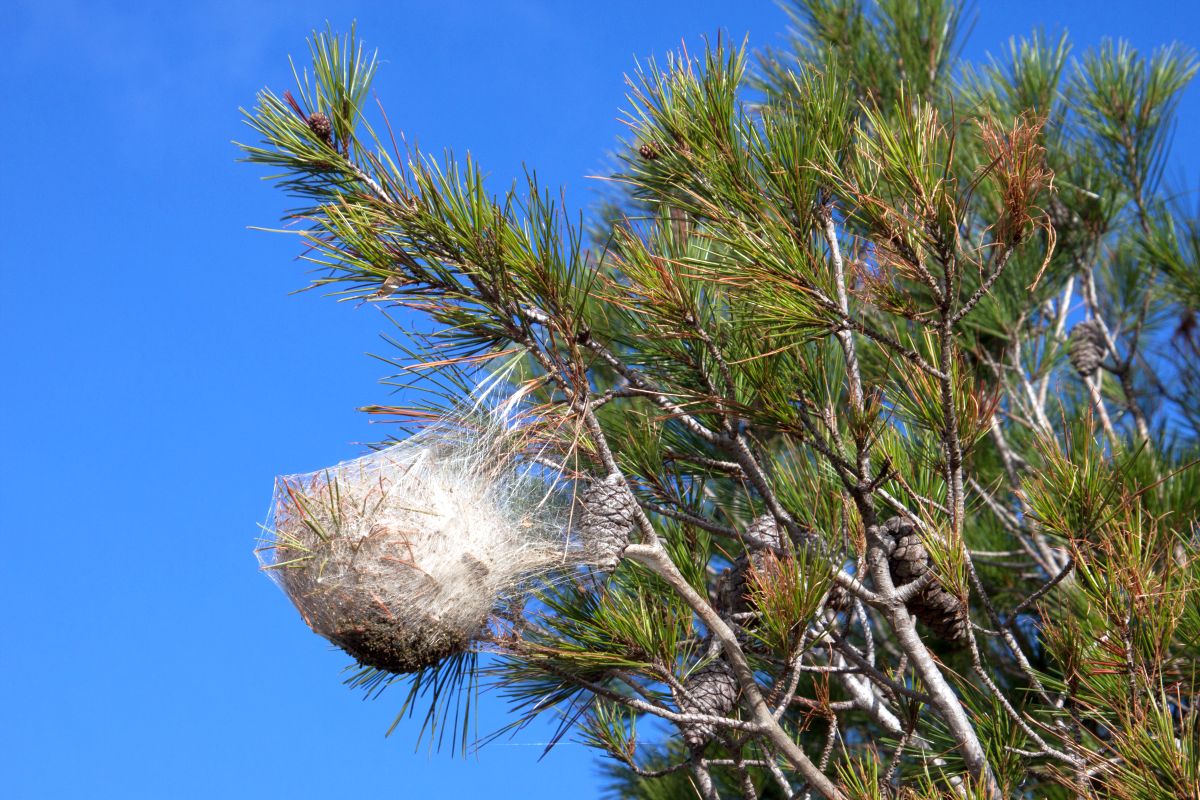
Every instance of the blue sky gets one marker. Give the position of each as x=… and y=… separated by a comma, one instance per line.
x=159, y=374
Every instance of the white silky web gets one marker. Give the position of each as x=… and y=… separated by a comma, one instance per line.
x=402, y=557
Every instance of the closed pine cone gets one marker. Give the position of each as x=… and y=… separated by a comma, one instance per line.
x=732, y=587
x=608, y=515
x=940, y=610
x=762, y=535
x=1086, y=348
x=319, y=124
x=711, y=690
x=839, y=599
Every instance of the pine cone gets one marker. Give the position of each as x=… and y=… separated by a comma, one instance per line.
x=608, y=514
x=943, y=612
x=732, y=588
x=1086, y=348
x=908, y=560
x=319, y=124
x=711, y=690
x=648, y=151
x=762, y=535
x=839, y=599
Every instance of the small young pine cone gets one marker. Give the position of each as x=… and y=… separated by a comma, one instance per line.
x=607, y=521
x=712, y=691
x=319, y=124
x=1086, y=348
x=648, y=151
x=940, y=610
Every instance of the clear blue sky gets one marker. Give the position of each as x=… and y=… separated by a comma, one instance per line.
x=157, y=374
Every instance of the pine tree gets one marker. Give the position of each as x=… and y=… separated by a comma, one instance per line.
x=876, y=390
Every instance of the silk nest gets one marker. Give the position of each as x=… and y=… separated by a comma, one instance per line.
x=406, y=556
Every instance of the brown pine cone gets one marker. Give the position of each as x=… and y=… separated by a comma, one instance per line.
x=1060, y=216
x=1086, y=348
x=711, y=690
x=940, y=610
x=319, y=124
x=607, y=521
x=732, y=587
x=762, y=535
x=943, y=613
x=839, y=599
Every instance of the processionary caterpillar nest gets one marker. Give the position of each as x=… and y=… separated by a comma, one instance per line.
x=403, y=557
